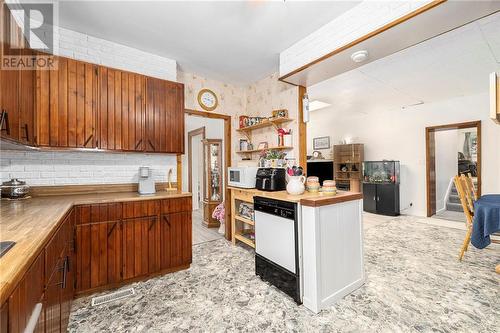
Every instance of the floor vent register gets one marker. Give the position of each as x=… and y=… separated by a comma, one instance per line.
x=99, y=300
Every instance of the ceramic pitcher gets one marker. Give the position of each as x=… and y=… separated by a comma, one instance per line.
x=295, y=185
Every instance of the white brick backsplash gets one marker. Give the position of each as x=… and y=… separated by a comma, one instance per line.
x=356, y=22
x=41, y=168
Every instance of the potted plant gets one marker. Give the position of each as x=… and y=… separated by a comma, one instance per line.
x=272, y=158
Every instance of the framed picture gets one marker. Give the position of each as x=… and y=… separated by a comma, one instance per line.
x=263, y=145
x=322, y=142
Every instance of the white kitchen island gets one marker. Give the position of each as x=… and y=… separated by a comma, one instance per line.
x=332, y=249
x=328, y=251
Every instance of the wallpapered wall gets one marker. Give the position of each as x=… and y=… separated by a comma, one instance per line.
x=257, y=99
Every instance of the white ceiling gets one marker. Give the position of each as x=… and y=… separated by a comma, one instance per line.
x=451, y=65
x=232, y=41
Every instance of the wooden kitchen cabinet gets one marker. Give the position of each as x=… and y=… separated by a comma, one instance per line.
x=66, y=105
x=17, y=87
x=164, y=116
x=27, y=300
x=141, y=246
x=98, y=245
x=176, y=240
x=121, y=110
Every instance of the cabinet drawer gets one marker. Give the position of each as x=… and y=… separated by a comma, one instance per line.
x=134, y=209
x=176, y=205
x=86, y=214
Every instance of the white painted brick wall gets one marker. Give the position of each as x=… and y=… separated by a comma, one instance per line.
x=353, y=24
x=82, y=47
x=65, y=168
x=79, y=46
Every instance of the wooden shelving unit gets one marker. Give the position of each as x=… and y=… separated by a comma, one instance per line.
x=247, y=132
x=271, y=122
x=350, y=157
x=259, y=150
x=241, y=226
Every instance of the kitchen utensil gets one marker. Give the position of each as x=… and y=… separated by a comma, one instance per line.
x=15, y=189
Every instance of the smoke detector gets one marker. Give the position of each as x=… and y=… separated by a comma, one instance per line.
x=359, y=56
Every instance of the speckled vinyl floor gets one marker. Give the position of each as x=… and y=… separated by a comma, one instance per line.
x=414, y=284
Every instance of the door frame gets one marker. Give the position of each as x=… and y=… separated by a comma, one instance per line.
x=227, y=159
x=192, y=133
x=430, y=159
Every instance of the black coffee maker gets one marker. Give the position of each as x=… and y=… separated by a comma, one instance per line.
x=271, y=179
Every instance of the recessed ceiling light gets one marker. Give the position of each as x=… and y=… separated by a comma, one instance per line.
x=316, y=105
x=359, y=56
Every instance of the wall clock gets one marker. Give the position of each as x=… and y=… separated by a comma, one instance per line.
x=207, y=99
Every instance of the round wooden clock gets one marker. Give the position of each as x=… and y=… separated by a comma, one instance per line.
x=207, y=99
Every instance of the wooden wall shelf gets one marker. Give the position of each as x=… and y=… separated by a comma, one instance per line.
x=259, y=150
x=271, y=122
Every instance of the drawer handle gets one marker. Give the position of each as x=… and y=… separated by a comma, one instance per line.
x=30, y=327
x=4, y=122
x=138, y=144
x=152, y=223
x=152, y=146
x=112, y=228
x=166, y=220
x=87, y=141
x=26, y=136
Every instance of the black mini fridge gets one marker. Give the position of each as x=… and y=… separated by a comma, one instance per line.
x=381, y=187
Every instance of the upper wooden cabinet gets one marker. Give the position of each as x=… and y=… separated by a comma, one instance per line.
x=17, y=88
x=66, y=105
x=121, y=110
x=82, y=105
x=164, y=116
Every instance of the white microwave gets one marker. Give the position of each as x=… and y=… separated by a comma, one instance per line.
x=242, y=176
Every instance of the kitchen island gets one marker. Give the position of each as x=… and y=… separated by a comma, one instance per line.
x=329, y=242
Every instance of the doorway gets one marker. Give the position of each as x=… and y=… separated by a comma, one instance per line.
x=195, y=170
x=207, y=120
x=451, y=150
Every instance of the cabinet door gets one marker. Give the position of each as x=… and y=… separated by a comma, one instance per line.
x=141, y=246
x=133, y=111
x=121, y=110
x=9, y=79
x=27, y=103
x=26, y=300
x=68, y=290
x=370, y=198
x=98, y=245
x=176, y=240
x=98, y=254
x=386, y=203
x=164, y=116
x=52, y=302
x=66, y=104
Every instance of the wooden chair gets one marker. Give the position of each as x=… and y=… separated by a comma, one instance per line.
x=470, y=191
x=460, y=184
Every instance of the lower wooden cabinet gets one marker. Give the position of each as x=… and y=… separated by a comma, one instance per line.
x=43, y=296
x=121, y=242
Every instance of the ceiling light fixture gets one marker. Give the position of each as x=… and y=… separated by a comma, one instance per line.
x=316, y=105
x=359, y=56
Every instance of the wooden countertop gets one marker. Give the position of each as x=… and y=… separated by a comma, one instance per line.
x=305, y=199
x=31, y=222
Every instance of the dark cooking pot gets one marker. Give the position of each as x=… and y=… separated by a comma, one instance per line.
x=15, y=189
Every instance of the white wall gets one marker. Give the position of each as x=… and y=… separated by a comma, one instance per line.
x=214, y=129
x=64, y=168
x=446, y=163
x=366, y=17
x=400, y=135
